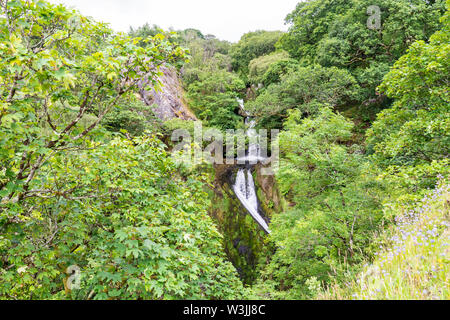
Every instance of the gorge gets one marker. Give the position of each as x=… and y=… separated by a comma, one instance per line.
x=244, y=185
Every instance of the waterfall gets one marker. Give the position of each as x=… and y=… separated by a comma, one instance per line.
x=254, y=151
x=244, y=186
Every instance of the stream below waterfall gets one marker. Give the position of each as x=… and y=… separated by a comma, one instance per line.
x=244, y=185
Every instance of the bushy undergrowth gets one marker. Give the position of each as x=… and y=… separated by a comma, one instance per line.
x=415, y=261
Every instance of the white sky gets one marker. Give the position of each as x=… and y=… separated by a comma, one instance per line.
x=226, y=19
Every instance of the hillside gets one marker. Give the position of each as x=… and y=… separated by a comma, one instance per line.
x=414, y=261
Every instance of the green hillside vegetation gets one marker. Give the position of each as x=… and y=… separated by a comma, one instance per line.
x=87, y=178
x=414, y=262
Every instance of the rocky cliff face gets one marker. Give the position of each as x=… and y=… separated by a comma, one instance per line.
x=243, y=239
x=168, y=100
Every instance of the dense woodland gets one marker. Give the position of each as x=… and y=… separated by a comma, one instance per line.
x=87, y=178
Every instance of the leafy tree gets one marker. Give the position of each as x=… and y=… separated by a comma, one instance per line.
x=190, y=34
x=211, y=87
x=411, y=139
x=69, y=195
x=306, y=89
x=214, y=98
x=206, y=52
x=123, y=215
x=251, y=46
x=338, y=198
x=145, y=31
x=57, y=68
x=335, y=34
x=132, y=115
x=309, y=24
x=278, y=69
x=334, y=207
x=260, y=66
x=85, y=182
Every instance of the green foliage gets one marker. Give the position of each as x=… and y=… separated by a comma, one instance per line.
x=211, y=87
x=251, y=46
x=60, y=74
x=411, y=139
x=414, y=262
x=206, y=53
x=146, y=35
x=340, y=199
x=308, y=143
x=178, y=124
x=133, y=116
x=277, y=70
x=117, y=209
x=309, y=23
x=122, y=214
x=258, y=67
x=213, y=98
x=335, y=34
x=305, y=89
x=209, y=44
x=145, y=31
x=85, y=182
x=334, y=207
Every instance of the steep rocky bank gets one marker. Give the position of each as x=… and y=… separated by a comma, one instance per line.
x=244, y=240
x=168, y=99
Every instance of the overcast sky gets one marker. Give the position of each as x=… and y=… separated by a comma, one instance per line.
x=226, y=19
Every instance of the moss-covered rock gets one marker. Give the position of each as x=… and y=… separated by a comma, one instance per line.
x=268, y=194
x=244, y=240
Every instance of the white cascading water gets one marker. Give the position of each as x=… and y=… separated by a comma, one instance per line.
x=254, y=150
x=244, y=186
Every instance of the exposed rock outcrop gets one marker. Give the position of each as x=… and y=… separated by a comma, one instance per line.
x=168, y=100
x=243, y=239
